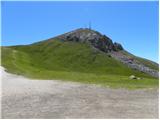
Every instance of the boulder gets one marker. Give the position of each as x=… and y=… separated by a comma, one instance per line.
x=138, y=78
x=132, y=77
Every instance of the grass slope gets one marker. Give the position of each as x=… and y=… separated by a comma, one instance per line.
x=71, y=61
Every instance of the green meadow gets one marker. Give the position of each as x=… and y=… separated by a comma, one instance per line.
x=73, y=61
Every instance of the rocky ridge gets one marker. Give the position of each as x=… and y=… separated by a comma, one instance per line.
x=96, y=39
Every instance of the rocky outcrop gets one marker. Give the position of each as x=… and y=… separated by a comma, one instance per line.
x=117, y=46
x=96, y=39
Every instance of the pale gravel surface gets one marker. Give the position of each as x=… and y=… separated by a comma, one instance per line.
x=25, y=98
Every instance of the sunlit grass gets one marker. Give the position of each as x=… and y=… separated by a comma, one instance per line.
x=71, y=61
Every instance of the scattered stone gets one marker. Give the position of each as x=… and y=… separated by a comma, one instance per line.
x=132, y=77
x=138, y=78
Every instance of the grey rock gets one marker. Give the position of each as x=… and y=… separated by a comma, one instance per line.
x=132, y=77
x=96, y=39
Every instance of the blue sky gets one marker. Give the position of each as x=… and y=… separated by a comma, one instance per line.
x=133, y=24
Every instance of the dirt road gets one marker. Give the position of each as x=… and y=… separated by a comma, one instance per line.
x=25, y=98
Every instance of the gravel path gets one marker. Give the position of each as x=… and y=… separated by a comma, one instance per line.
x=25, y=98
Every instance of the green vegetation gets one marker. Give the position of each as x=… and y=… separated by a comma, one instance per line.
x=71, y=61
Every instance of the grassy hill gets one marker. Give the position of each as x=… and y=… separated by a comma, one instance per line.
x=73, y=61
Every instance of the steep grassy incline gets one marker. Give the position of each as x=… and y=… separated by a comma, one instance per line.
x=71, y=61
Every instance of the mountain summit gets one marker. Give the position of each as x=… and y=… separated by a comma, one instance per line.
x=96, y=39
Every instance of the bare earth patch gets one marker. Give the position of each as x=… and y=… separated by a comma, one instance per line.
x=26, y=98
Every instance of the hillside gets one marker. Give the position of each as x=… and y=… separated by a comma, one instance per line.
x=82, y=55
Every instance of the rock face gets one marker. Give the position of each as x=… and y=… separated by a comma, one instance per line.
x=99, y=41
